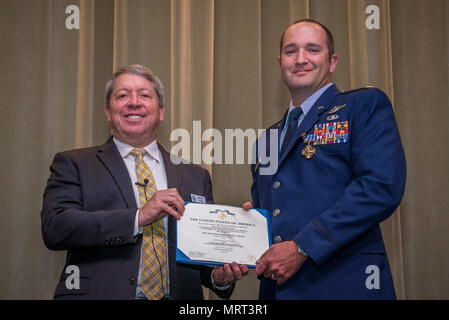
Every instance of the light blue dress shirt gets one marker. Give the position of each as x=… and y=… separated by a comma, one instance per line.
x=305, y=106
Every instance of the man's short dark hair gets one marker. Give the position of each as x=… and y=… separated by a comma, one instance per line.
x=329, y=36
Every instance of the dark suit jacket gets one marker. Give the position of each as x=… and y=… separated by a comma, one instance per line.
x=332, y=204
x=89, y=210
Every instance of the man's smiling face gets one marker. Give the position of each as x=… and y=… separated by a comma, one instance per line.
x=304, y=61
x=134, y=111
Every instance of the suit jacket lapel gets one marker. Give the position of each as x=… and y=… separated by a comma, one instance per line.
x=173, y=172
x=112, y=160
x=174, y=180
x=280, y=125
x=311, y=118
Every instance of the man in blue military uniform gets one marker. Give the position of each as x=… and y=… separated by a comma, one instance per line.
x=341, y=171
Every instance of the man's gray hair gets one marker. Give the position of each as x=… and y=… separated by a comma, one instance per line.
x=138, y=70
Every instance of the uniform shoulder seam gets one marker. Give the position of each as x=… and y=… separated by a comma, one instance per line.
x=274, y=124
x=358, y=89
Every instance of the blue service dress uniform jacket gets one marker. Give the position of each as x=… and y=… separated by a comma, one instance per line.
x=331, y=204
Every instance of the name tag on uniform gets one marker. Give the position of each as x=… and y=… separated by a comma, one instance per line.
x=197, y=199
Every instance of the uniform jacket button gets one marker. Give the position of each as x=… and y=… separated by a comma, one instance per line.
x=276, y=212
x=276, y=185
x=277, y=239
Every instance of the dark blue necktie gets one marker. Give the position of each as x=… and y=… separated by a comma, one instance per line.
x=292, y=125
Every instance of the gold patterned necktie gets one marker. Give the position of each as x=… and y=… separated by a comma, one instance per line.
x=153, y=280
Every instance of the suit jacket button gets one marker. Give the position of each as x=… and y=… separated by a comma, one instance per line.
x=276, y=185
x=276, y=212
x=132, y=281
x=277, y=239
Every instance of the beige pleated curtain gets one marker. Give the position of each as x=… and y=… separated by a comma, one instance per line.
x=217, y=60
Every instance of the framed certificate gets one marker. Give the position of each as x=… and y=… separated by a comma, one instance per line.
x=213, y=234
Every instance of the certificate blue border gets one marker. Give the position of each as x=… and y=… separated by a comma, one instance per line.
x=182, y=258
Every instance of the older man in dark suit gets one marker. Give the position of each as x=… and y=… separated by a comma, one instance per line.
x=113, y=207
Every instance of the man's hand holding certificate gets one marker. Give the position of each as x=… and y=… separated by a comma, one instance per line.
x=216, y=235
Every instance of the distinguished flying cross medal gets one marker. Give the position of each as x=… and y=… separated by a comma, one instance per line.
x=309, y=151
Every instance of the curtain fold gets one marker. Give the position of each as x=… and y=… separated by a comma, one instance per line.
x=420, y=67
